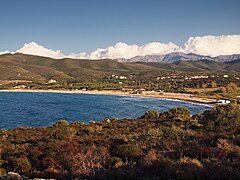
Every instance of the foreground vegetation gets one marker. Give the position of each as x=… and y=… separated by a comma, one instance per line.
x=168, y=145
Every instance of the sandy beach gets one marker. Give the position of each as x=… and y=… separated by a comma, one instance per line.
x=162, y=95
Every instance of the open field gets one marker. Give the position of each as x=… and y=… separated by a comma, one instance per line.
x=211, y=93
x=201, y=90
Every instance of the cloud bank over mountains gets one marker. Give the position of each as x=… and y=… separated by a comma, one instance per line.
x=203, y=45
x=213, y=45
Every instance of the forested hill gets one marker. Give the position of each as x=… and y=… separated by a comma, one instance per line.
x=36, y=68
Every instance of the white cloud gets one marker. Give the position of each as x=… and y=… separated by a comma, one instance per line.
x=35, y=49
x=213, y=45
x=204, y=45
x=4, y=52
x=122, y=50
x=158, y=48
x=82, y=55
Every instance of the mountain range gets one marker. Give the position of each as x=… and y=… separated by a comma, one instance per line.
x=179, y=56
x=37, y=68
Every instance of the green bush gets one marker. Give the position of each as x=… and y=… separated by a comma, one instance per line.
x=61, y=123
x=151, y=114
x=128, y=151
x=223, y=115
x=176, y=114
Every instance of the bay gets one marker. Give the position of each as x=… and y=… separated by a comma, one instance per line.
x=37, y=109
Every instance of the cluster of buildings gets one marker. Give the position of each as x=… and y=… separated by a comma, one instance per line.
x=193, y=77
x=118, y=77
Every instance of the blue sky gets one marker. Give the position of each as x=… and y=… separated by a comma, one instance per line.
x=84, y=25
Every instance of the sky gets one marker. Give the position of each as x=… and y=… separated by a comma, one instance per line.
x=120, y=28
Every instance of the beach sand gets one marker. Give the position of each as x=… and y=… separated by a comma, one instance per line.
x=162, y=95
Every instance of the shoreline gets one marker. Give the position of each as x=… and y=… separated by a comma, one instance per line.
x=148, y=94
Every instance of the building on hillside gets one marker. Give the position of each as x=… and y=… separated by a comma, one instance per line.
x=20, y=87
x=51, y=81
x=122, y=77
x=223, y=101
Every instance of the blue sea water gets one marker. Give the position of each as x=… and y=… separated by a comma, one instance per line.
x=43, y=109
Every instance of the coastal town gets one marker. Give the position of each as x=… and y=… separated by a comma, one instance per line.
x=203, y=88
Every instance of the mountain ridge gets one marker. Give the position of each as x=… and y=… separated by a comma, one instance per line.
x=177, y=56
x=36, y=68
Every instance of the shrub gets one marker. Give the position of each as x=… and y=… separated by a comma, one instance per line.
x=61, y=123
x=151, y=157
x=90, y=160
x=223, y=115
x=128, y=151
x=151, y=138
x=2, y=172
x=176, y=114
x=228, y=148
x=231, y=87
x=151, y=114
x=221, y=90
x=189, y=168
x=115, y=161
x=22, y=165
x=186, y=161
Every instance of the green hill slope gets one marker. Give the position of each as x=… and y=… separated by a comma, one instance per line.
x=36, y=68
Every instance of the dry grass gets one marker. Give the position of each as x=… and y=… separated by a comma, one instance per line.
x=4, y=82
x=211, y=93
x=201, y=90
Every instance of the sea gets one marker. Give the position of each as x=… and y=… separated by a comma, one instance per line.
x=37, y=109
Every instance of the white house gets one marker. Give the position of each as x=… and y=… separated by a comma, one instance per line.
x=223, y=101
x=20, y=87
x=51, y=81
x=122, y=77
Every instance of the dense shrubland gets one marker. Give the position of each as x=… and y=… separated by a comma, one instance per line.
x=168, y=145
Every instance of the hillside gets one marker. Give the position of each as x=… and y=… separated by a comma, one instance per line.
x=36, y=68
x=29, y=67
x=234, y=66
x=204, y=66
